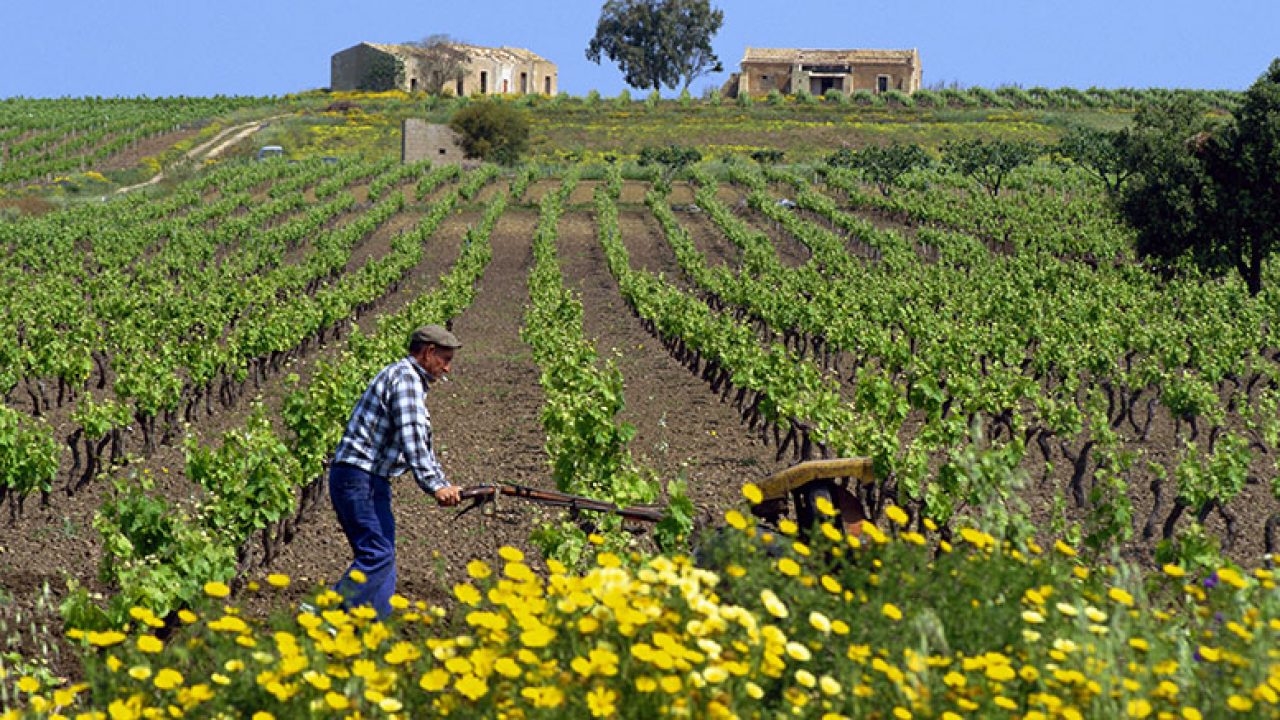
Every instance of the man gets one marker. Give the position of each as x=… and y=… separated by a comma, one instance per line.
x=389, y=432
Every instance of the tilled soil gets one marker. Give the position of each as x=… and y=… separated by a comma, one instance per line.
x=487, y=416
x=683, y=430
x=55, y=544
x=488, y=426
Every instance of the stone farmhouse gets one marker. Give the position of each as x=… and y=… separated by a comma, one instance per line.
x=488, y=71
x=818, y=71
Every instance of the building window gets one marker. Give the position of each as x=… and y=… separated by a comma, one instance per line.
x=882, y=83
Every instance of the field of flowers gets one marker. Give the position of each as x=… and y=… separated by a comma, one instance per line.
x=882, y=622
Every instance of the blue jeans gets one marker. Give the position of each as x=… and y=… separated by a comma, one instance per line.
x=363, y=504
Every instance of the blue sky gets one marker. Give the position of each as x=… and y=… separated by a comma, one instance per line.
x=170, y=47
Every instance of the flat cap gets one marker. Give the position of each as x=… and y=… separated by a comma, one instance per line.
x=436, y=335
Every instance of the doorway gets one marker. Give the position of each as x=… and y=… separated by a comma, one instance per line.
x=820, y=85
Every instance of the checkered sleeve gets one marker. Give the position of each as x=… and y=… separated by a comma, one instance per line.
x=413, y=425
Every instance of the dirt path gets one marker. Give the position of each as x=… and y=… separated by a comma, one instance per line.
x=211, y=148
x=682, y=428
x=488, y=429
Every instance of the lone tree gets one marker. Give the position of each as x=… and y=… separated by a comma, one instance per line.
x=440, y=62
x=658, y=42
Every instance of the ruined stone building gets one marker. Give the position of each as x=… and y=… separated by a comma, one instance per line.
x=817, y=71
x=486, y=71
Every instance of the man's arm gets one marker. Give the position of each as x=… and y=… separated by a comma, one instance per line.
x=413, y=425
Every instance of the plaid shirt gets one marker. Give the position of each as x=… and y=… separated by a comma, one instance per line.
x=390, y=429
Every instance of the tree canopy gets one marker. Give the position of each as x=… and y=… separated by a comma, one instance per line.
x=989, y=162
x=1205, y=191
x=492, y=130
x=439, y=63
x=658, y=42
x=883, y=166
x=1103, y=154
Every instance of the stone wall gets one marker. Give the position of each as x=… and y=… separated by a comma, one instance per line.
x=496, y=71
x=762, y=78
x=348, y=68
x=489, y=76
x=421, y=140
x=758, y=79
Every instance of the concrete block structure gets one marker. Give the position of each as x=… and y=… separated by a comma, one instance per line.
x=789, y=71
x=421, y=140
x=486, y=70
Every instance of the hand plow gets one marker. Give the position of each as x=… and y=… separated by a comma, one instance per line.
x=813, y=489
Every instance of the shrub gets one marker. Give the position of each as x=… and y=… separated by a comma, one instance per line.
x=673, y=157
x=492, y=130
x=768, y=157
x=897, y=98
x=865, y=98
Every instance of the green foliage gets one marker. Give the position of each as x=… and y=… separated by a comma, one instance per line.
x=989, y=162
x=672, y=159
x=883, y=166
x=673, y=532
x=586, y=444
x=658, y=42
x=386, y=72
x=768, y=156
x=493, y=131
x=155, y=553
x=1208, y=192
x=1104, y=154
x=29, y=454
x=897, y=98
x=250, y=478
x=865, y=98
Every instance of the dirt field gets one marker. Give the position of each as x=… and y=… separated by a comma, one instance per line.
x=487, y=420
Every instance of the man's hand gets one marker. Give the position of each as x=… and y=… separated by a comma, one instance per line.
x=449, y=495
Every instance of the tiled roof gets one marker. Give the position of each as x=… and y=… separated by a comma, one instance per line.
x=801, y=55
x=501, y=54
